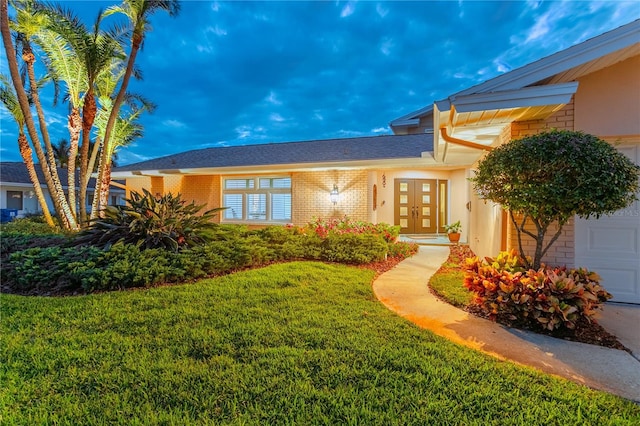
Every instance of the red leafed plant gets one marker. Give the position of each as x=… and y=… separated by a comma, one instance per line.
x=548, y=298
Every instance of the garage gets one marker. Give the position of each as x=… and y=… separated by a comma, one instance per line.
x=611, y=246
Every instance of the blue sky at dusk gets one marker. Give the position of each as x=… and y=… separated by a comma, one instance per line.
x=229, y=73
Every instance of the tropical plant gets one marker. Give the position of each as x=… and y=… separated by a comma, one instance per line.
x=10, y=101
x=151, y=221
x=548, y=298
x=453, y=228
x=138, y=13
x=95, y=50
x=29, y=22
x=553, y=176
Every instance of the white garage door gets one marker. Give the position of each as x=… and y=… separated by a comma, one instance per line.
x=611, y=246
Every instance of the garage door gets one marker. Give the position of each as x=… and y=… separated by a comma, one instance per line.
x=611, y=246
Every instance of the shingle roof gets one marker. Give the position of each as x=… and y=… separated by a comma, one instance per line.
x=317, y=151
x=16, y=172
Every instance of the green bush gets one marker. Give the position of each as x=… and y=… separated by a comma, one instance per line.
x=56, y=267
x=31, y=225
x=353, y=248
x=402, y=249
x=165, y=222
x=549, y=298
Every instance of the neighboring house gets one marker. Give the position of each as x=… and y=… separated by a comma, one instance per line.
x=418, y=178
x=17, y=191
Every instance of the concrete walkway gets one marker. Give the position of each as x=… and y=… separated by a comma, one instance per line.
x=404, y=290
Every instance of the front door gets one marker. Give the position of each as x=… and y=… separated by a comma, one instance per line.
x=420, y=205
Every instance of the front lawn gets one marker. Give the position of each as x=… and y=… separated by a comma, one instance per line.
x=292, y=343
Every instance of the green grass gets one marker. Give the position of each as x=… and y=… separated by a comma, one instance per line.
x=298, y=343
x=448, y=285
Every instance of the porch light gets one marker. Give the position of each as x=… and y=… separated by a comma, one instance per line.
x=334, y=194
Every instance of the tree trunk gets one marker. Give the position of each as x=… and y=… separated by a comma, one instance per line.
x=105, y=157
x=88, y=117
x=29, y=122
x=27, y=157
x=75, y=127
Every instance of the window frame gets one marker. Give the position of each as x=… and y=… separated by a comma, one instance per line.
x=10, y=197
x=256, y=189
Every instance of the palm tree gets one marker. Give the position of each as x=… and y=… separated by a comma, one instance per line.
x=10, y=101
x=61, y=153
x=64, y=64
x=125, y=130
x=95, y=49
x=138, y=12
x=28, y=22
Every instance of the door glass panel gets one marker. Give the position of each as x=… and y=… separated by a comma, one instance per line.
x=404, y=186
x=404, y=223
x=404, y=211
x=426, y=223
x=426, y=187
x=426, y=199
x=404, y=199
x=426, y=211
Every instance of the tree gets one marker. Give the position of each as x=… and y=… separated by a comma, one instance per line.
x=553, y=176
x=95, y=50
x=10, y=101
x=28, y=22
x=138, y=13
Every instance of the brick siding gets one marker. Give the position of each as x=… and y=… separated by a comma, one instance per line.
x=562, y=252
x=310, y=195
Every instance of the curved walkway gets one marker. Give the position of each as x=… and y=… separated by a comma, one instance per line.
x=404, y=290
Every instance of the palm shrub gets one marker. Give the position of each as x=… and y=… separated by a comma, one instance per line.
x=547, y=298
x=165, y=222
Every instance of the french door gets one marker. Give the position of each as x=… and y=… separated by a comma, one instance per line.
x=420, y=205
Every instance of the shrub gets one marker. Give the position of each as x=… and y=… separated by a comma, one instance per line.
x=549, y=298
x=345, y=225
x=31, y=225
x=165, y=222
x=402, y=249
x=353, y=248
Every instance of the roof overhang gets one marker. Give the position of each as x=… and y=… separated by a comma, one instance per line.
x=426, y=159
x=480, y=119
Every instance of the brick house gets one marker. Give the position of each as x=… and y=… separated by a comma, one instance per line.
x=417, y=178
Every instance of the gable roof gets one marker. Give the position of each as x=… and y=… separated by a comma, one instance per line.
x=345, y=152
x=561, y=67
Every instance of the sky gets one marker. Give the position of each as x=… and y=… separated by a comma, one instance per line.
x=228, y=73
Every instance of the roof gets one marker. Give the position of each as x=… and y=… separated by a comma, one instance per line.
x=561, y=67
x=337, y=152
x=16, y=173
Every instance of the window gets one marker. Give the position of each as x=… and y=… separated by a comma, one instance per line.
x=257, y=199
x=14, y=200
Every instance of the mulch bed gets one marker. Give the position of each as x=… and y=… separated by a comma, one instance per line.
x=585, y=331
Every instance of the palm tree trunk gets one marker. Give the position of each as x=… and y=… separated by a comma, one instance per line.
x=75, y=126
x=27, y=157
x=66, y=221
x=88, y=117
x=105, y=158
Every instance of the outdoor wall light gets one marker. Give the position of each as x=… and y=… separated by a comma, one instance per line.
x=334, y=194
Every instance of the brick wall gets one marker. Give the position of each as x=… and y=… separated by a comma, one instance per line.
x=203, y=190
x=310, y=195
x=562, y=252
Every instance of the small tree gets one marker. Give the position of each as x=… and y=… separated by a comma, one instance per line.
x=553, y=176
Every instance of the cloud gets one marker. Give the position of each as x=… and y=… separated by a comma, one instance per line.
x=348, y=9
x=273, y=99
x=381, y=10
x=387, y=44
x=175, y=124
x=381, y=130
x=274, y=116
x=216, y=30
